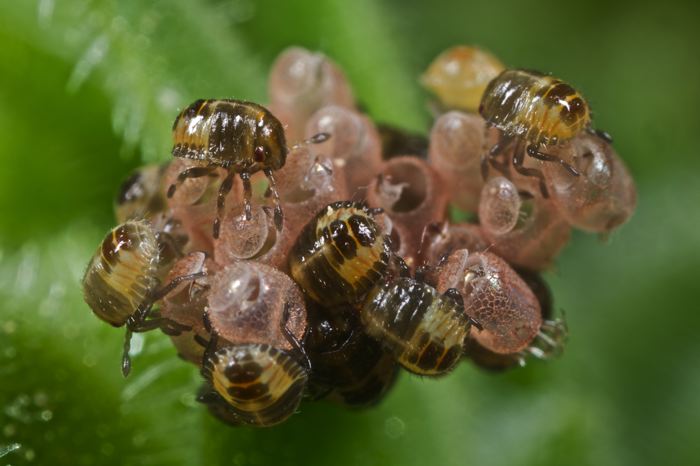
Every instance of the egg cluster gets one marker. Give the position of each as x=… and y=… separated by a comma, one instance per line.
x=334, y=262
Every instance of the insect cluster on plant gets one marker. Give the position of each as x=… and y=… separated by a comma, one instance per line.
x=324, y=279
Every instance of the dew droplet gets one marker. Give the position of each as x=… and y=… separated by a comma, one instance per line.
x=89, y=360
x=394, y=427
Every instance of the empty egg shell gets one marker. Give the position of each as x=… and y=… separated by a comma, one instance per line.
x=604, y=196
x=300, y=83
x=354, y=145
x=251, y=303
x=242, y=239
x=538, y=236
x=456, y=145
x=185, y=305
x=442, y=239
x=499, y=206
x=496, y=362
x=494, y=295
x=193, y=205
x=413, y=196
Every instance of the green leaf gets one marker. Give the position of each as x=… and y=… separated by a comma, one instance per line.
x=89, y=89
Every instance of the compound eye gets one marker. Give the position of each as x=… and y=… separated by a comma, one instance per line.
x=575, y=105
x=572, y=111
x=259, y=154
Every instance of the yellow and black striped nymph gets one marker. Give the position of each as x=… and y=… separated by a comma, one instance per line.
x=539, y=108
x=121, y=276
x=340, y=254
x=261, y=385
x=424, y=330
x=241, y=135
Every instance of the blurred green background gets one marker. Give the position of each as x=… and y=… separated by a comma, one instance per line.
x=88, y=90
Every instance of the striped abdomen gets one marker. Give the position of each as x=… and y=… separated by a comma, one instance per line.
x=542, y=109
x=261, y=384
x=122, y=274
x=340, y=254
x=424, y=329
x=230, y=133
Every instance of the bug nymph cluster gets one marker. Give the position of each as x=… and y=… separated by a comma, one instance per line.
x=298, y=251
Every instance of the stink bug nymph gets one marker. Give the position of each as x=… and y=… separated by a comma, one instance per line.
x=532, y=110
x=254, y=363
x=340, y=254
x=241, y=137
x=424, y=329
x=121, y=282
x=258, y=384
